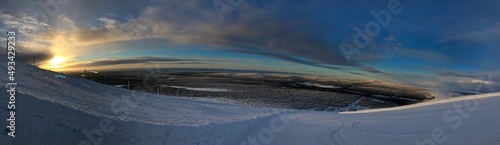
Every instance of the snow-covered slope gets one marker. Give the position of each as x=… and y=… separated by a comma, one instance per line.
x=108, y=101
x=76, y=111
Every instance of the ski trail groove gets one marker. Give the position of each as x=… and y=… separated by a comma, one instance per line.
x=337, y=138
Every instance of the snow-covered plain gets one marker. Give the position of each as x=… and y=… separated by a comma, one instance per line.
x=53, y=111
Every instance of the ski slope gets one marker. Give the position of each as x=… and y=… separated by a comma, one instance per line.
x=53, y=111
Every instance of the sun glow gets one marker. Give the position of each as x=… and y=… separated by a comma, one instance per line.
x=57, y=61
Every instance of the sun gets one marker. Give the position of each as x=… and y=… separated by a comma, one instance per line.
x=57, y=61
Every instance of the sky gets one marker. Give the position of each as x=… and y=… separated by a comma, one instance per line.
x=447, y=43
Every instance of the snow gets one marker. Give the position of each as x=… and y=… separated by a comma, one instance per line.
x=102, y=100
x=382, y=96
x=60, y=111
x=119, y=86
x=201, y=89
x=321, y=86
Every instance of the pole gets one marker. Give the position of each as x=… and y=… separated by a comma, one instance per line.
x=128, y=85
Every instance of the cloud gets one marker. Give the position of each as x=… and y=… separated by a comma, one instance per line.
x=260, y=28
x=473, y=43
x=286, y=58
x=422, y=54
x=108, y=23
x=28, y=31
x=475, y=85
x=483, y=82
x=22, y=23
x=475, y=81
x=27, y=55
x=371, y=69
x=355, y=73
x=146, y=60
x=252, y=29
x=472, y=77
x=479, y=32
x=132, y=60
x=456, y=74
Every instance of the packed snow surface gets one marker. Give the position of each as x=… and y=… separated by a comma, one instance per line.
x=63, y=111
